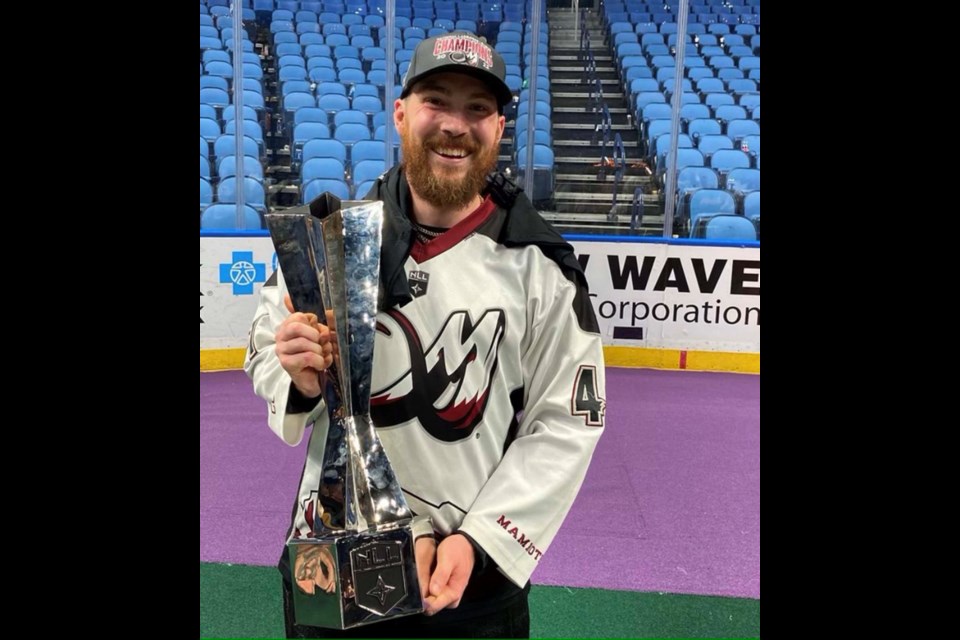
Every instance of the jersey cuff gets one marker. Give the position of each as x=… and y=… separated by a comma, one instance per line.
x=481, y=559
x=299, y=403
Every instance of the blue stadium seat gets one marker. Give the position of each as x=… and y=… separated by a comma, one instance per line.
x=751, y=206
x=325, y=148
x=728, y=112
x=367, y=170
x=298, y=100
x=224, y=216
x=725, y=227
x=322, y=75
x=350, y=133
x=227, y=167
x=248, y=113
x=710, y=143
x=225, y=145
x=368, y=150
x=742, y=180
x=725, y=160
x=214, y=96
x=709, y=202
x=333, y=103
x=315, y=188
x=315, y=168
x=701, y=127
x=210, y=128
x=296, y=86
x=349, y=115
x=253, y=193
x=742, y=127
x=543, y=172
x=251, y=128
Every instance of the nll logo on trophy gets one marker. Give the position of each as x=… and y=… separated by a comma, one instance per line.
x=378, y=576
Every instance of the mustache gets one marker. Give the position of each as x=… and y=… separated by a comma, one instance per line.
x=437, y=142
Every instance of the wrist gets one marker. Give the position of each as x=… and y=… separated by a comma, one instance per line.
x=480, y=559
x=300, y=402
x=422, y=527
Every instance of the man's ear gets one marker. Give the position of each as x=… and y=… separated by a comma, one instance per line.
x=398, y=112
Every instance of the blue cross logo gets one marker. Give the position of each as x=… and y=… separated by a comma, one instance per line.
x=243, y=273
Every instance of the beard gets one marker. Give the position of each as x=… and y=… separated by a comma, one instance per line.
x=444, y=186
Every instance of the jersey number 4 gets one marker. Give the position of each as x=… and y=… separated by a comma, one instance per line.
x=586, y=401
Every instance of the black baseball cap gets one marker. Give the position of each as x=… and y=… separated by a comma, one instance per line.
x=459, y=52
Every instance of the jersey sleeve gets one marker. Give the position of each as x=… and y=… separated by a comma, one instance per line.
x=270, y=381
x=521, y=507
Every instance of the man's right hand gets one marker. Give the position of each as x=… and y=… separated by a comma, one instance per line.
x=305, y=349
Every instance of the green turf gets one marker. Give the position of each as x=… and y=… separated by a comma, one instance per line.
x=238, y=601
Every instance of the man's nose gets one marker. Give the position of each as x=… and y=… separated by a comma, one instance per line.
x=454, y=123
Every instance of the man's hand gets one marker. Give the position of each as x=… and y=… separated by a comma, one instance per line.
x=305, y=349
x=455, y=558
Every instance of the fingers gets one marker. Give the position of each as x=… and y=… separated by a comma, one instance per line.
x=439, y=579
x=298, y=349
x=426, y=550
x=288, y=303
x=301, y=334
x=449, y=594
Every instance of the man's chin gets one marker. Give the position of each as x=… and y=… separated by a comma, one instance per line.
x=443, y=196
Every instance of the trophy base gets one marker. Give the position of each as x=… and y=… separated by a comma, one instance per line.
x=353, y=579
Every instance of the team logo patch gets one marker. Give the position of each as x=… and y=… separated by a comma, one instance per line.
x=378, y=576
x=418, y=283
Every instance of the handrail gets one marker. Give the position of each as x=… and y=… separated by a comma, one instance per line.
x=605, y=127
x=619, y=166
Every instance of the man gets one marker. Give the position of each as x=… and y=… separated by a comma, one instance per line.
x=488, y=383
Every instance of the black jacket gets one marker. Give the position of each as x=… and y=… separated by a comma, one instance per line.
x=524, y=226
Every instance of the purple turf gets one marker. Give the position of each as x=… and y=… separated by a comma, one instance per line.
x=671, y=502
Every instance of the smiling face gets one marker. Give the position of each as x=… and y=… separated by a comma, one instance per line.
x=450, y=131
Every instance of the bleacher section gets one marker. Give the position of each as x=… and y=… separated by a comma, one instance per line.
x=594, y=104
x=720, y=103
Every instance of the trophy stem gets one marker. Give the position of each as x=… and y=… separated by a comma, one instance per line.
x=378, y=496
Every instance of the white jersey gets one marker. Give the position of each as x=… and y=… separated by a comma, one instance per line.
x=488, y=391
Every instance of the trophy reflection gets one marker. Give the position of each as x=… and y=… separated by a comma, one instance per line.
x=357, y=564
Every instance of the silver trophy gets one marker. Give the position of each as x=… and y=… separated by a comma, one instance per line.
x=357, y=564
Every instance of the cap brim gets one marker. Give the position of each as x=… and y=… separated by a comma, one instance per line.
x=500, y=89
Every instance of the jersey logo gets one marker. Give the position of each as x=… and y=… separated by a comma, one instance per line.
x=418, y=283
x=586, y=401
x=445, y=386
